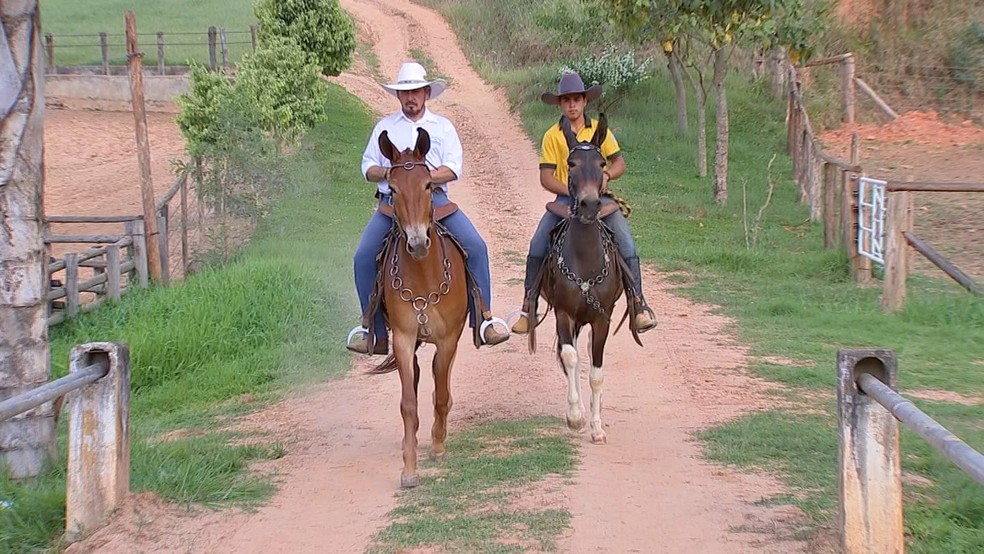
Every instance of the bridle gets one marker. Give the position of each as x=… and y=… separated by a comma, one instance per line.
x=584, y=146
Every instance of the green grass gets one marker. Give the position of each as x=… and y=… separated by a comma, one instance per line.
x=228, y=340
x=787, y=296
x=469, y=503
x=182, y=22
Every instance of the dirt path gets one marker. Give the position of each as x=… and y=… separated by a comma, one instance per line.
x=646, y=491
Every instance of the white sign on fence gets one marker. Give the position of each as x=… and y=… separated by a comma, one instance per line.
x=871, y=219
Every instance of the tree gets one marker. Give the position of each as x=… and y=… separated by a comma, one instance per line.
x=645, y=21
x=321, y=28
x=281, y=86
x=721, y=25
x=24, y=356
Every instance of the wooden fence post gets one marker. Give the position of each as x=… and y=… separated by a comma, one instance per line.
x=225, y=51
x=49, y=46
x=104, y=50
x=829, y=206
x=163, y=224
x=139, y=251
x=898, y=221
x=160, y=53
x=869, y=461
x=71, y=284
x=847, y=89
x=212, y=64
x=184, y=225
x=252, y=36
x=113, y=272
x=815, y=184
x=143, y=146
x=98, y=439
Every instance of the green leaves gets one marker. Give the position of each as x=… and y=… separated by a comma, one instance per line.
x=320, y=27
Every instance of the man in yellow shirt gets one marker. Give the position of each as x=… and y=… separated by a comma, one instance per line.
x=572, y=98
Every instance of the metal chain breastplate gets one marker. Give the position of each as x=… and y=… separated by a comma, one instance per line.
x=585, y=285
x=421, y=303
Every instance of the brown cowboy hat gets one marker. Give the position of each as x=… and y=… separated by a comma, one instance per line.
x=571, y=83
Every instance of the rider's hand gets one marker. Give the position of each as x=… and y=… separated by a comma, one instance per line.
x=604, y=181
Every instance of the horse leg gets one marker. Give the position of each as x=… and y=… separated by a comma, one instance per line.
x=447, y=348
x=404, y=347
x=567, y=352
x=599, y=335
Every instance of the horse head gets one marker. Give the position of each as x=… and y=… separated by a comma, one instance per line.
x=410, y=182
x=585, y=166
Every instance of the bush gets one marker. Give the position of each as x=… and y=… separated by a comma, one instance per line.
x=321, y=27
x=281, y=86
x=965, y=56
x=616, y=71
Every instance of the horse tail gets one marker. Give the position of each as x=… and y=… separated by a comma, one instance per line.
x=386, y=366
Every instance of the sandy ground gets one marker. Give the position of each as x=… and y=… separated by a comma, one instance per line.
x=647, y=490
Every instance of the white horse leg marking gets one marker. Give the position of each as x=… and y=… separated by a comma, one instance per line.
x=597, y=380
x=575, y=411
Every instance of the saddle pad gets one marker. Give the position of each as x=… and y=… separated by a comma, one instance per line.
x=439, y=213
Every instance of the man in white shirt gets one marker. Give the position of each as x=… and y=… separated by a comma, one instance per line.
x=445, y=160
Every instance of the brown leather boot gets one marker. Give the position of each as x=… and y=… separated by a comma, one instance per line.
x=360, y=345
x=644, y=319
x=492, y=335
x=522, y=325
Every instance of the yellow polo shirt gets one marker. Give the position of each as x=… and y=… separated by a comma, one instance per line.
x=554, y=148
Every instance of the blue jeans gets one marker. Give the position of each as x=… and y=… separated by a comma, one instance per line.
x=457, y=223
x=540, y=243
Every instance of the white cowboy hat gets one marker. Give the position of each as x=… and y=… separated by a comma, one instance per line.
x=413, y=76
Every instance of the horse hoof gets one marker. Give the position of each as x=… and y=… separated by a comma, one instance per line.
x=575, y=424
x=437, y=456
x=409, y=481
x=599, y=438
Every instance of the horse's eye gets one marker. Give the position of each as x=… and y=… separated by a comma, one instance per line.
x=570, y=163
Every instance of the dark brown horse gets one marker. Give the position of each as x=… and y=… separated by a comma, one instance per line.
x=424, y=294
x=583, y=276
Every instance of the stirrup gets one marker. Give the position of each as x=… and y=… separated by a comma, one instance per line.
x=358, y=329
x=485, y=325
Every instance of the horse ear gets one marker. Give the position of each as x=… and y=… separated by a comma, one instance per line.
x=423, y=143
x=386, y=147
x=565, y=127
x=601, y=132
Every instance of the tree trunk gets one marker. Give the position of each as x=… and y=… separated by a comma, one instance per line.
x=721, y=114
x=676, y=70
x=698, y=86
x=26, y=441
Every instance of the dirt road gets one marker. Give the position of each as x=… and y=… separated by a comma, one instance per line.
x=647, y=490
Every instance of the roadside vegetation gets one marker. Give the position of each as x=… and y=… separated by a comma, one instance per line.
x=793, y=302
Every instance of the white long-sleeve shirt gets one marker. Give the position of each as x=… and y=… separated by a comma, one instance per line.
x=445, y=148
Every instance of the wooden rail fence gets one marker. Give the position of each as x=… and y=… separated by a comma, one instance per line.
x=829, y=186
x=98, y=392
x=119, y=261
x=217, y=42
x=869, y=455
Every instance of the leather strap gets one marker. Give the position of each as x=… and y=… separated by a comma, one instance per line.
x=439, y=213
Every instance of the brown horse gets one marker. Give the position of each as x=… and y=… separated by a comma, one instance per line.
x=583, y=276
x=424, y=294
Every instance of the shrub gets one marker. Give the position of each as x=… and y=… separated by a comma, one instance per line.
x=617, y=71
x=965, y=56
x=321, y=28
x=281, y=86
